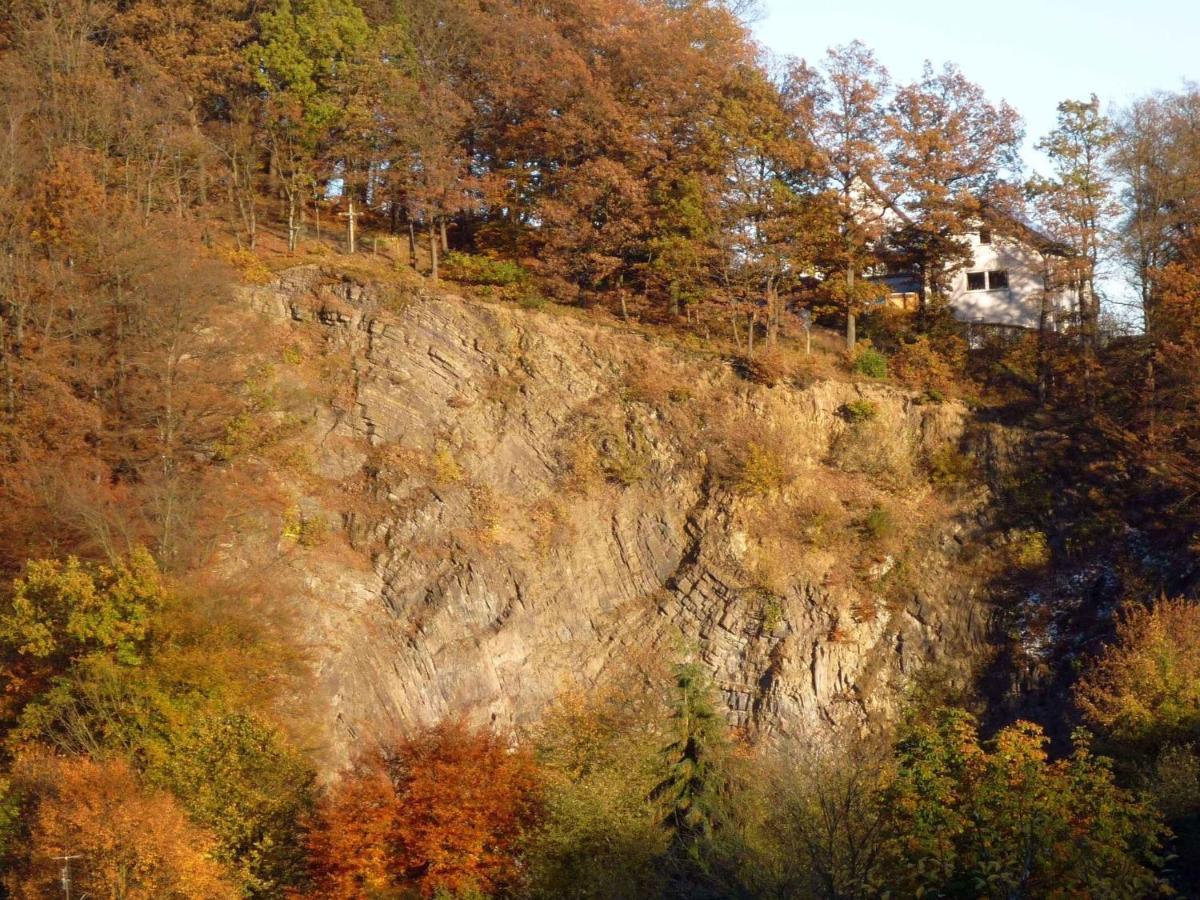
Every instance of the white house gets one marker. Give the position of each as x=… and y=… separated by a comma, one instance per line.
x=1012, y=275
x=1013, y=272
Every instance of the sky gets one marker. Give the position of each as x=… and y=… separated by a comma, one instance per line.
x=1032, y=53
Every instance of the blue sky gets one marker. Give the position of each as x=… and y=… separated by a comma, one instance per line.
x=1032, y=53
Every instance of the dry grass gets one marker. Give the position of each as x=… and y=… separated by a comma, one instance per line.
x=756, y=456
x=655, y=382
x=877, y=448
x=549, y=525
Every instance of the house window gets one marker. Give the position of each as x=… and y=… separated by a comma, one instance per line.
x=996, y=280
x=985, y=235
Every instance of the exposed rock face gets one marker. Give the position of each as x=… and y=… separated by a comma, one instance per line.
x=553, y=499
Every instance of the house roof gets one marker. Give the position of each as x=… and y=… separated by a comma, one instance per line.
x=1007, y=222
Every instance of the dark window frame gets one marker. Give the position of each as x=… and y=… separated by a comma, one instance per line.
x=977, y=281
x=985, y=235
x=995, y=275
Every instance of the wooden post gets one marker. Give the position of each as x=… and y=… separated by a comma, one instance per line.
x=352, y=237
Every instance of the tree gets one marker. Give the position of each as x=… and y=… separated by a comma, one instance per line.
x=237, y=777
x=61, y=611
x=772, y=224
x=949, y=150
x=693, y=792
x=825, y=824
x=841, y=108
x=1080, y=206
x=1005, y=821
x=1143, y=691
x=300, y=62
x=1155, y=157
x=127, y=670
x=127, y=842
x=600, y=757
x=450, y=808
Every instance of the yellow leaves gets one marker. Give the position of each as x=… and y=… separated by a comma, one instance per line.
x=1146, y=685
x=763, y=471
x=70, y=608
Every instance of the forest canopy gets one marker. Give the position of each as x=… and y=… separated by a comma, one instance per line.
x=649, y=162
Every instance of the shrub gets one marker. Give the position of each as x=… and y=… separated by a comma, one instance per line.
x=762, y=471
x=879, y=523
x=926, y=365
x=446, y=469
x=857, y=411
x=871, y=362
x=768, y=368
x=249, y=266
x=306, y=531
x=950, y=467
x=1029, y=549
x=477, y=269
x=532, y=299
x=651, y=381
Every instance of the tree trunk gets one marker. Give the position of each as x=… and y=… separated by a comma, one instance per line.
x=1043, y=348
x=412, y=244
x=351, y=232
x=291, y=223
x=433, y=250
x=851, y=321
x=445, y=238
x=772, y=314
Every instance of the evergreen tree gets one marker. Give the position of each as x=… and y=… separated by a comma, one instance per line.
x=693, y=792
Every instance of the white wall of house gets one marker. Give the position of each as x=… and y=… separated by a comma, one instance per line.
x=1020, y=302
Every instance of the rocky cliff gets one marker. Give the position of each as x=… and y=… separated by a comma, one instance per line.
x=546, y=500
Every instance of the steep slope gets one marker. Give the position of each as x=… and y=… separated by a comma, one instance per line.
x=546, y=501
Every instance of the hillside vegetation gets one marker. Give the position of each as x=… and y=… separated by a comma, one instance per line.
x=456, y=449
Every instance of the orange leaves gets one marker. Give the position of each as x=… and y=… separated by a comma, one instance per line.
x=128, y=841
x=351, y=844
x=442, y=811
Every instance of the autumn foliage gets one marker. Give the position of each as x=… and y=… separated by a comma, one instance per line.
x=642, y=157
x=126, y=840
x=443, y=811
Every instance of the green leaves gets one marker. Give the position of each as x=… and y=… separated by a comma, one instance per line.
x=237, y=776
x=303, y=49
x=1003, y=820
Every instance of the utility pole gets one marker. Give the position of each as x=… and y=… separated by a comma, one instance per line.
x=66, y=872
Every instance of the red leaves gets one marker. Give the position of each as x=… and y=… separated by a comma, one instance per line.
x=443, y=810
